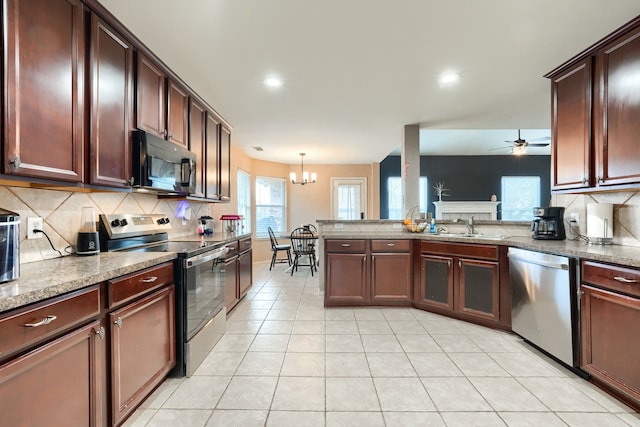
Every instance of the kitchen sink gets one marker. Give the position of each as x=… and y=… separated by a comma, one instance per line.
x=474, y=235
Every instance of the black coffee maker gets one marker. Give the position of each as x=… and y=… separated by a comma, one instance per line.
x=548, y=223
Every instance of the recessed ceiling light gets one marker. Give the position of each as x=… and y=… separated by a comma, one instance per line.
x=449, y=78
x=273, y=82
x=257, y=148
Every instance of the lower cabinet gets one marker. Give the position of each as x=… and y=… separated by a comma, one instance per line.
x=462, y=280
x=238, y=272
x=609, y=310
x=367, y=272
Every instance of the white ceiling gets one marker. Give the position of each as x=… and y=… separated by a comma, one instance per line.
x=356, y=71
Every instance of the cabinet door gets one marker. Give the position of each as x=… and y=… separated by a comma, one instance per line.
x=571, y=118
x=143, y=349
x=212, y=189
x=435, y=287
x=231, y=295
x=610, y=344
x=43, y=122
x=244, y=272
x=346, y=278
x=111, y=63
x=225, y=164
x=177, y=114
x=197, y=120
x=478, y=289
x=391, y=277
x=150, y=96
x=617, y=111
x=57, y=384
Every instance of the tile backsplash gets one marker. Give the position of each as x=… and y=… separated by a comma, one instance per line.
x=626, y=212
x=61, y=211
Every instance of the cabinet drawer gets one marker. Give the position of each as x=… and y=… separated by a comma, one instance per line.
x=46, y=319
x=391, y=245
x=245, y=245
x=616, y=278
x=127, y=288
x=461, y=250
x=345, y=245
x=234, y=248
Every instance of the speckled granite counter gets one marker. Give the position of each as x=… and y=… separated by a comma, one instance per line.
x=625, y=255
x=49, y=278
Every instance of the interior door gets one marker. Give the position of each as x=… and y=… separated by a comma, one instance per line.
x=349, y=198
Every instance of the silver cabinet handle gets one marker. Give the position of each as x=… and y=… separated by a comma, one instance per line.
x=346, y=245
x=150, y=279
x=15, y=162
x=391, y=244
x=100, y=332
x=50, y=318
x=623, y=280
x=118, y=322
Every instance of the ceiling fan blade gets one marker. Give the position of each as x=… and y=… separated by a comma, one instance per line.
x=544, y=138
x=498, y=148
x=538, y=145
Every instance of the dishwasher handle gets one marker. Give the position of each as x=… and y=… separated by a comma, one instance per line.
x=550, y=264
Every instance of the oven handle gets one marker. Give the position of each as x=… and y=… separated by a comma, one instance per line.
x=201, y=259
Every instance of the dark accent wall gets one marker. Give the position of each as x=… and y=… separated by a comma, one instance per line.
x=469, y=177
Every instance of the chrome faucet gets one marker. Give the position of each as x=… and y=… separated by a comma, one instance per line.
x=468, y=223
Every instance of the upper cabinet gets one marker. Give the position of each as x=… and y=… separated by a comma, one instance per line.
x=225, y=164
x=212, y=156
x=595, y=105
x=44, y=48
x=197, y=142
x=163, y=105
x=111, y=89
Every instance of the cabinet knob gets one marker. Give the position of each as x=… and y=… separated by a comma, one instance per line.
x=15, y=162
x=100, y=332
x=131, y=181
x=118, y=322
x=50, y=318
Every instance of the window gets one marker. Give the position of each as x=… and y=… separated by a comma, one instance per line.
x=244, y=198
x=520, y=194
x=270, y=205
x=394, y=196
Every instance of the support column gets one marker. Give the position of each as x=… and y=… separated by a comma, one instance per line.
x=410, y=163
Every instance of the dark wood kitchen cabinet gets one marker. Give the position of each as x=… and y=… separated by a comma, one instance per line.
x=212, y=156
x=52, y=355
x=44, y=125
x=111, y=89
x=224, y=169
x=462, y=280
x=245, y=266
x=197, y=143
x=609, y=309
x=162, y=104
x=368, y=272
x=143, y=340
x=594, y=111
x=238, y=271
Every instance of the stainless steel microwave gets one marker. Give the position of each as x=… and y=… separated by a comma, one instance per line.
x=162, y=166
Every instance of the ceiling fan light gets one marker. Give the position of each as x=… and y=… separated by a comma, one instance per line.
x=519, y=150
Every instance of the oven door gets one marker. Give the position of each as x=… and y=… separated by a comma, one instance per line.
x=203, y=289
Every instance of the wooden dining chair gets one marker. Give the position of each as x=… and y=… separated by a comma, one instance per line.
x=276, y=247
x=303, y=244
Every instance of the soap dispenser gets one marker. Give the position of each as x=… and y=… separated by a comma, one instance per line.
x=432, y=226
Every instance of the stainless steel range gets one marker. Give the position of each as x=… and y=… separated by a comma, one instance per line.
x=199, y=279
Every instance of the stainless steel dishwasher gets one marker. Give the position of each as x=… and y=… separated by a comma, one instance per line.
x=544, y=309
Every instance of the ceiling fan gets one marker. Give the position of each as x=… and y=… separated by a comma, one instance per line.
x=519, y=146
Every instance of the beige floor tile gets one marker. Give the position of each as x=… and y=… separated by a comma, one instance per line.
x=162, y=393
x=375, y=327
x=307, y=327
x=402, y=394
x=369, y=314
x=354, y=419
x=253, y=314
x=339, y=314
x=256, y=363
x=405, y=419
x=299, y=394
x=344, y=343
x=179, y=418
x=455, y=394
x=234, y=343
x=434, y=365
x=139, y=418
x=198, y=393
x=282, y=315
x=495, y=343
x=351, y=394
x=397, y=313
x=591, y=420
x=236, y=418
x=303, y=365
x=410, y=326
x=456, y=343
x=270, y=342
x=531, y=419
x=390, y=365
x=276, y=327
x=307, y=344
x=347, y=365
x=220, y=363
x=439, y=326
x=507, y=394
x=381, y=343
x=248, y=393
x=295, y=418
x=338, y=327
x=560, y=395
x=472, y=419
x=418, y=343
x=477, y=365
x=243, y=326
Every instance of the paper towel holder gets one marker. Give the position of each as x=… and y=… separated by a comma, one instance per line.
x=600, y=224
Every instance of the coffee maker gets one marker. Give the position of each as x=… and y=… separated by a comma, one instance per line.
x=548, y=223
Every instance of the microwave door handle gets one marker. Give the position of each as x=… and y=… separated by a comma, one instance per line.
x=185, y=172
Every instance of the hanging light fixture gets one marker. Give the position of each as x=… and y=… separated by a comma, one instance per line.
x=305, y=175
x=519, y=150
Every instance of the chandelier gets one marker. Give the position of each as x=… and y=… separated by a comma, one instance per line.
x=305, y=175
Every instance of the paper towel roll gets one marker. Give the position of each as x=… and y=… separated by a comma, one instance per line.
x=600, y=220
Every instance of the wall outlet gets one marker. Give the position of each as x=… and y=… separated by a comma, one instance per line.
x=574, y=218
x=34, y=223
x=338, y=225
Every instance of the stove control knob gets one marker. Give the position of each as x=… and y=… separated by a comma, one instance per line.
x=115, y=223
x=123, y=222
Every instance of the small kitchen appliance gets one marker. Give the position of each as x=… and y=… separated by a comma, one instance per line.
x=232, y=223
x=88, y=240
x=548, y=223
x=9, y=246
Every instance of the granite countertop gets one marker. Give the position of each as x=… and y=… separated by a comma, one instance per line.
x=624, y=255
x=49, y=278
